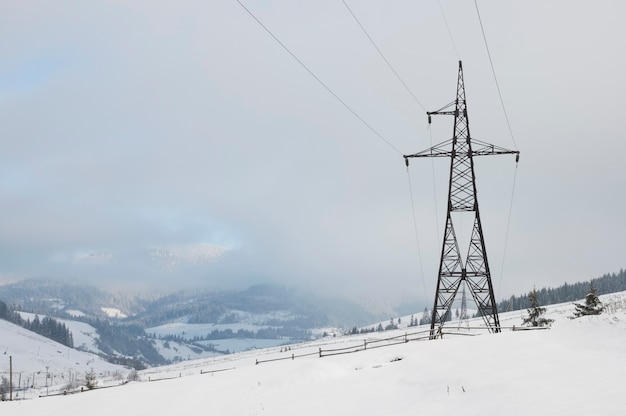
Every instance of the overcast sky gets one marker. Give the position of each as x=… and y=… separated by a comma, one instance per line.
x=129, y=126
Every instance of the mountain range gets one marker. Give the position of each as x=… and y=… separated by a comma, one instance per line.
x=135, y=327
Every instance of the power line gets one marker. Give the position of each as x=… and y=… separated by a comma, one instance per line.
x=506, y=117
x=432, y=165
x=508, y=226
x=417, y=240
x=356, y=19
x=354, y=113
x=493, y=71
x=449, y=31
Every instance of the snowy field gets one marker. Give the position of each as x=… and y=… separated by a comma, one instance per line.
x=42, y=363
x=575, y=368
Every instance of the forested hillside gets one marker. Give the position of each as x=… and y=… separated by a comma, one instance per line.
x=48, y=327
x=608, y=283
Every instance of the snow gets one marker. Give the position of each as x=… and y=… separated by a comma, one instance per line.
x=113, y=313
x=246, y=321
x=174, y=351
x=189, y=331
x=75, y=313
x=83, y=334
x=243, y=344
x=39, y=361
x=574, y=368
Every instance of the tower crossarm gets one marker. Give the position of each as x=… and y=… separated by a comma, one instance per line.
x=445, y=149
x=485, y=149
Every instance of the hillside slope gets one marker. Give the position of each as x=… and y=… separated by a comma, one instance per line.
x=40, y=362
x=575, y=368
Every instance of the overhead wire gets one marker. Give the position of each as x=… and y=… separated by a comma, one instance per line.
x=382, y=55
x=322, y=83
x=508, y=226
x=406, y=87
x=449, y=31
x=493, y=71
x=354, y=113
x=432, y=165
x=417, y=240
x=432, y=162
x=506, y=117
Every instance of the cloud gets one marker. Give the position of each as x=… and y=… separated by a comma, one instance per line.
x=131, y=126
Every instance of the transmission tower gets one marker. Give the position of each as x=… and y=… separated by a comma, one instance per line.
x=453, y=271
x=463, y=318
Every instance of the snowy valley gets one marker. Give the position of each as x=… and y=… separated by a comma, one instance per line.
x=576, y=367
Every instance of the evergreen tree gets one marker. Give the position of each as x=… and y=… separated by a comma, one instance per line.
x=534, y=313
x=592, y=305
x=391, y=325
x=5, y=388
x=425, y=320
x=90, y=379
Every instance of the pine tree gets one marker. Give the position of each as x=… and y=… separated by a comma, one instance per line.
x=534, y=313
x=5, y=388
x=592, y=305
x=90, y=379
x=425, y=320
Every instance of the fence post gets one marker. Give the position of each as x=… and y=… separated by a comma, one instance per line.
x=293, y=356
x=320, y=352
x=364, y=344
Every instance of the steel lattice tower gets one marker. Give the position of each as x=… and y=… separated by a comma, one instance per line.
x=463, y=318
x=474, y=271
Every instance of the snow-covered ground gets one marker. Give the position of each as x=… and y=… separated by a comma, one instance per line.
x=575, y=368
x=44, y=365
x=84, y=335
x=244, y=321
x=114, y=313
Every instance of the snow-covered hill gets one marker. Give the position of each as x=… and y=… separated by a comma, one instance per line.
x=42, y=365
x=575, y=368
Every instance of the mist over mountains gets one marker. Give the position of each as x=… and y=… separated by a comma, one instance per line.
x=151, y=327
x=132, y=325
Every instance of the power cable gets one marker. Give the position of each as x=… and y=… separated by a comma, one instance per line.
x=406, y=87
x=354, y=113
x=417, y=241
x=448, y=28
x=432, y=165
x=508, y=226
x=493, y=71
x=356, y=19
x=506, y=117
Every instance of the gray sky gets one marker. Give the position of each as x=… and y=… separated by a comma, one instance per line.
x=128, y=126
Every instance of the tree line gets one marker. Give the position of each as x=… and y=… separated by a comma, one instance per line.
x=47, y=327
x=260, y=333
x=607, y=283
